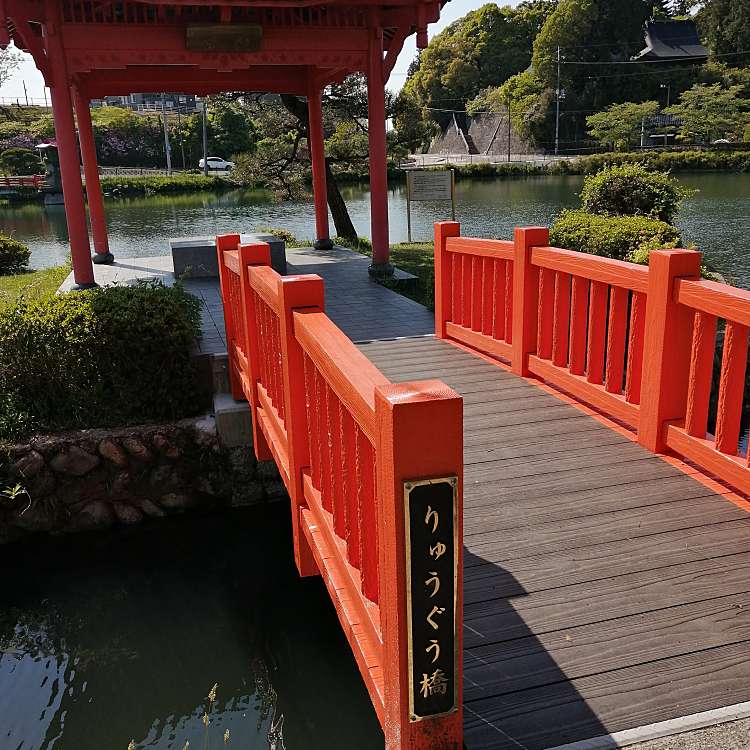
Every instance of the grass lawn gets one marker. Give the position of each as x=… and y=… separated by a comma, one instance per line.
x=32, y=285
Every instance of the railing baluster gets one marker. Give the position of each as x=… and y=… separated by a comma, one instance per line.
x=634, y=372
x=546, y=313
x=367, y=518
x=561, y=331
x=351, y=494
x=578, y=320
x=731, y=388
x=701, y=374
x=597, y=333
x=488, y=298
x=509, y=301
x=339, y=509
x=616, y=338
x=498, y=296
x=476, y=294
x=326, y=485
x=466, y=288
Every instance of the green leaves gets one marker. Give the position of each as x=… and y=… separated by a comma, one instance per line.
x=14, y=256
x=106, y=357
x=632, y=190
x=620, y=125
x=711, y=111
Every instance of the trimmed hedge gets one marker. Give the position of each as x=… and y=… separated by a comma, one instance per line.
x=100, y=358
x=161, y=185
x=631, y=190
x=616, y=237
x=14, y=256
x=663, y=161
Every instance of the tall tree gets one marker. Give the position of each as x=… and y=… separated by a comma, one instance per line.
x=482, y=49
x=10, y=59
x=621, y=125
x=725, y=27
x=709, y=112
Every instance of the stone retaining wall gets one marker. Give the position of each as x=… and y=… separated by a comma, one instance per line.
x=93, y=479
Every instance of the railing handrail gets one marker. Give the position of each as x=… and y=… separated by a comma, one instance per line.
x=609, y=271
x=349, y=444
x=480, y=247
x=264, y=281
x=349, y=373
x=714, y=298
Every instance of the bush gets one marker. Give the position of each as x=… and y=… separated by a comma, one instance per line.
x=20, y=161
x=14, y=256
x=160, y=185
x=631, y=190
x=611, y=236
x=673, y=161
x=105, y=357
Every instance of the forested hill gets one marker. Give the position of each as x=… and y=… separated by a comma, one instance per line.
x=499, y=57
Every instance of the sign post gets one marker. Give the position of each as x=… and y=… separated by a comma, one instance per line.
x=429, y=185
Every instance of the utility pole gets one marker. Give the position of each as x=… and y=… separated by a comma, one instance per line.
x=557, y=113
x=205, y=140
x=179, y=133
x=25, y=93
x=44, y=91
x=643, y=132
x=167, y=147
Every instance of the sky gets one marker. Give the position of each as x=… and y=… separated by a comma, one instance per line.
x=28, y=74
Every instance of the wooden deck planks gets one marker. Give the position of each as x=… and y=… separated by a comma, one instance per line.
x=605, y=588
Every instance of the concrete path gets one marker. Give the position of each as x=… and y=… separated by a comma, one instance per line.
x=364, y=310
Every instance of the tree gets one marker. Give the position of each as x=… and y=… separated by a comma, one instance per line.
x=725, y=27
x=20, y=161
x=710, y=112
x=620, y=125
x=232, y=132
x=10, y=59
x=482, y=49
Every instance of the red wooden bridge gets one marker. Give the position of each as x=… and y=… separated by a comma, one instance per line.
x=550, y=542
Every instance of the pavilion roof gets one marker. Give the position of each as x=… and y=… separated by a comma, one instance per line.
x=672, y=40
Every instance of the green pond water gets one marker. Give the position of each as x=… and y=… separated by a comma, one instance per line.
x=716, y=219
x=108, y=637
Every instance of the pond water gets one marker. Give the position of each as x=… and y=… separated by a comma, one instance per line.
x=715, y=220
x=115, y=636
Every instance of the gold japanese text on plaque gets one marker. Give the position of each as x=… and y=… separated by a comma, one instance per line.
x=431, y=580
x=236, y=37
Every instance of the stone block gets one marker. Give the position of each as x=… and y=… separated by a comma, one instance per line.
x=233, y=421
x=195, y=257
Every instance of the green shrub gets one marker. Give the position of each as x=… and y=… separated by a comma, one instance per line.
x=631, y=190
x=105, y=357
x=284, y=234
x=20, y=161
x=161, y=185
x=672, y=161
x=611, y=236
x=14, y=256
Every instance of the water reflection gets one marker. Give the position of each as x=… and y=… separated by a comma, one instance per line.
x=119, y=636
x=714, y=219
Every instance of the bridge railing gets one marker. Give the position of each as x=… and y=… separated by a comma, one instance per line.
x=37, y=181
x=639, y=343
x=350, y=447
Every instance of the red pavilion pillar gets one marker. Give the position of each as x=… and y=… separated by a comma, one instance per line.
x=67, y=149
x=378, y=160
x=93, y=185
x=316, y=143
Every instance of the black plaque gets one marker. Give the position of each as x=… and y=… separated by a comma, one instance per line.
x=235, y=37
x=431, y=570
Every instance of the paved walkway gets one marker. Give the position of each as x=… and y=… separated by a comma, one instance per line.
x=363, y=309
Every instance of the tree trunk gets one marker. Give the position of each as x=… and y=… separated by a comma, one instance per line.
x=341, y=219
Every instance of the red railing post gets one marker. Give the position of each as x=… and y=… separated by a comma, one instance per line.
x=525, y=293
x=419, y=436
x=666, y=346
x=228, y=242
x=443, y=286
x=297, y=293
x=256, y=254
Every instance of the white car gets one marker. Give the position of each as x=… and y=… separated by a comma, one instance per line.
x=216, y=162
